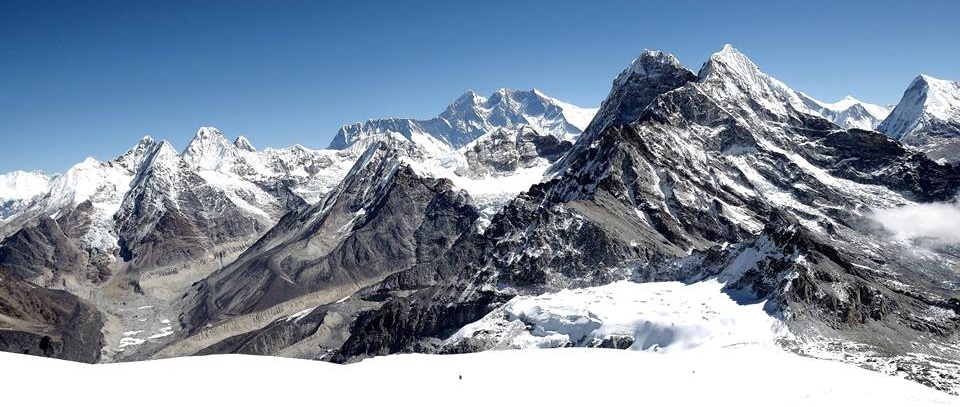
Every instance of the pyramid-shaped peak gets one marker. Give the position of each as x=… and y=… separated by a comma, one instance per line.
x=132, y=158
x=927, y=99
x=731, y=61
x=165, y=147
x=244, y=144
x=206, y=132
x=469, y=97
x=207, y=137
x=207, y=149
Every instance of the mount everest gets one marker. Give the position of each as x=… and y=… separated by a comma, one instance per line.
x=461, y=233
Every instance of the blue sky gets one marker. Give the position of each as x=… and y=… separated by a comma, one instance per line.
x=90, y=78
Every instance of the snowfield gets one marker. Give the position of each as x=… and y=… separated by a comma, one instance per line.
x=656, y=317
x=694, y=346
x=734, y=376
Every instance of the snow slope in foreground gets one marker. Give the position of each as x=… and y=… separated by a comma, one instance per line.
x=741, y=376
x=693, y=346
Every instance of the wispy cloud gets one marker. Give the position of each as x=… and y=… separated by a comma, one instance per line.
x=937, y=222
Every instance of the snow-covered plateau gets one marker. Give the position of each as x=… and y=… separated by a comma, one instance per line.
x=742, y=375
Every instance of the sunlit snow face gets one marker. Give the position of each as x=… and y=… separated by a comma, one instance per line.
x=934, y=222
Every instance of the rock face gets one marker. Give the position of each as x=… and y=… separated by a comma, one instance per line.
x=381, y=219
x=142, y=227
x=173, y=215
x=506, y=151
x=53, y=323
x=928, y=117
x=47, y=252
x=471, y=116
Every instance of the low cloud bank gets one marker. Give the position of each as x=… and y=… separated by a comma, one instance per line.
x=939, y=222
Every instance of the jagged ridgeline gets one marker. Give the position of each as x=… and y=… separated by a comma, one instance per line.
x=406, y=231
x=134, y=237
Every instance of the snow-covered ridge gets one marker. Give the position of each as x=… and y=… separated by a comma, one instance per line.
x=247, y=177
x=471, y=116
x=242, y=143
x=849, y=112
x=103, y=184
x=578, y=116
x=155, y=170
x=730, y=73
x=849, y=101
x=19, y=188
x=943, y=97
x=23, y=185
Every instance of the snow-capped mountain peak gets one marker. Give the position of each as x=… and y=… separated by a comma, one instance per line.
x=926, y=98
x=208, y=150
x=471, y=116
x=132, y=159
x=849, y=102
x=468, y=98
x=848, y=112
x=242, y=143
x=731, y=73
x=19, y=189
x=162, y=155
x=736, y=62
x=844, y=103
x=942, y=97
x=928, y=117
x=23, y=185
x=648, y=75
x=208, y=132
x=642, y=64
x=732, y=63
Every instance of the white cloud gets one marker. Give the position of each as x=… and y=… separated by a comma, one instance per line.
x=939, y=222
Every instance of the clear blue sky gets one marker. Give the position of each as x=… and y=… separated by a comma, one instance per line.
x=89, y=78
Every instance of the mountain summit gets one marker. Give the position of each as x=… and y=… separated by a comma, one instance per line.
x=471, y=116
x=849, y=112
x=928, y=117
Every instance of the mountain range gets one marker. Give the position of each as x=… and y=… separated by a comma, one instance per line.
x=456, y=234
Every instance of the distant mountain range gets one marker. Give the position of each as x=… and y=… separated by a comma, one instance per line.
x=471, y=116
